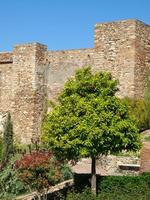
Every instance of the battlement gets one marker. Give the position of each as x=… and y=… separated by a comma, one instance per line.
x=30, y=74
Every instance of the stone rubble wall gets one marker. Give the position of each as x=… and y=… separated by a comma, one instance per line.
x=62, y=65
x=115, y=52
x=142, y=58
x=23, y=90
x=29, y=90
x=6, y=89
x=110, y=164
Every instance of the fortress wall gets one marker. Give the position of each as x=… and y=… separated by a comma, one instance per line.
x=6, y=89
x=121, y=48
x=28, y=95
x=115, y=52
x=31, y=74
x=6, y=58
x=142, y=59
x=61, y=65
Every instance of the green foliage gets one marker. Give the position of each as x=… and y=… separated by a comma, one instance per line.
x=126, y=187
x=29, y=172
x=40, y=170
x=118, y=188
x=125, y=184
x=90, y=120
x=7, y=140
x=1, y=148
x=128, y=154
x=141, y=108
x=147, y=138
x=66, y=172
x=138, y=108
x=10, y=185
x=147, y=100
x=85, y=194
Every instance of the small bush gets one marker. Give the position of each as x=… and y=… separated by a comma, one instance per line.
x=66, y=172
x=38, y=170
x=138, y=108
x=41, y=170
x=10, y=185
x=85, y=194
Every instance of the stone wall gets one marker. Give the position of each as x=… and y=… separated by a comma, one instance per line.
x=62, y=65
x=23, y=89
x=145, y=158
x=115, y=52
x=6, y=81
x=123, y=48
x=29, y=90
x=6, y=89
x=3, y=118
x=30, y=74
x=142, y=57
x=119, y=47
x=110, y=164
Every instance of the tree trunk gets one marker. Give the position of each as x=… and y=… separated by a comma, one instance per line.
x=93, y=173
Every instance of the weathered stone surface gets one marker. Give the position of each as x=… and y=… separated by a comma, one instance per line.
x=62, y=65
x=31, y=74
x=122, y=48
x=2, y=122
x=145, y=158
x=109, y=165
x=6, y=58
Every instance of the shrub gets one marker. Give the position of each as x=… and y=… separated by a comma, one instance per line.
x=33, y=169
x=66, y=172
x=138, y=108
x=40, y=170
x=125, y=184
x=147, y=138
x=10, y=185
x=125, y=187
x=85, y=194
x=117, y=188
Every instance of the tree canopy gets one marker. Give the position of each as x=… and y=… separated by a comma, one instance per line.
x=89, y=119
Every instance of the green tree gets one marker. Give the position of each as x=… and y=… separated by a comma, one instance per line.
x=90, y=120
x=7, y=141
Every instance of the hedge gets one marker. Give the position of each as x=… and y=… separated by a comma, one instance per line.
x=113, y=188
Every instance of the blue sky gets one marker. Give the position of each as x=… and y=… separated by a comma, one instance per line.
x=62, y=24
